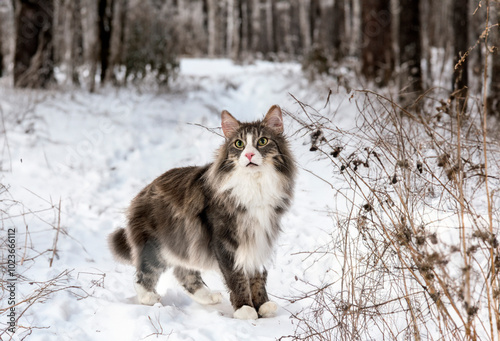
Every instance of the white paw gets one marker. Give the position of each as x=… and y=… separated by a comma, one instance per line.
x=146, y=297
x=246, y=313
x=149, y=298
x=268, y=309
x=205, y=296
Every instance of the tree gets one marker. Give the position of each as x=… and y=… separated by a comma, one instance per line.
x=91, y=44
x=151, y=44
x=315, y=23
x=256, y=27
x=233, y=29
x=34, y=56
x=410, y=51
x=117, y=37
x=339, y=32
x=1, y=51
x=270, y=26
x=376, y=51
x=288, y=15
x=216, y=30
x=461, y=45
x=105, y=23
x=68, y=37
x=305, y=25
x=493, y=100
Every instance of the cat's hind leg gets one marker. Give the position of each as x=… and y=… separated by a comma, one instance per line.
x=149, y=269
x=193, y=283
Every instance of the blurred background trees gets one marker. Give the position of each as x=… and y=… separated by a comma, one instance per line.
x=410, y=51
x=34, y=53
x=376, y=44
x=410, y=44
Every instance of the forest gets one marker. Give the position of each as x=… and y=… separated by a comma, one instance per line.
x=384, y=42
x=392, y=111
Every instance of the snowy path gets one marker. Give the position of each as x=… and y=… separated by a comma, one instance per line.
x=94, y=152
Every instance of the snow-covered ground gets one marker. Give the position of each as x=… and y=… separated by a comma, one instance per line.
x=72, y=161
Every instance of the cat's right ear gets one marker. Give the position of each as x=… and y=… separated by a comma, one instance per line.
x=229, y=124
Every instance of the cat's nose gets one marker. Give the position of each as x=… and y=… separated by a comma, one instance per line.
x=249, y=156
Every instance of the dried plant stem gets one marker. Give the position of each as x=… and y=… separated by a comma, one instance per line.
x=493, y=301
x=54, y=248
x=416, y=331
x=459, y=181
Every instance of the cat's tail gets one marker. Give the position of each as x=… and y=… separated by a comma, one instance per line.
x=120, y=246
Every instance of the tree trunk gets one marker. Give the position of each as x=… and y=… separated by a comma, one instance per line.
x=376, y=52
x=60, y=30
x=1, y=51
x=315, y=19
x=91, y=41
x=355, y=23
x=305, y=25
x=410, y=52
x=117, y=38
x=461, y=45
x=294, y=37
x=70, y=35
x=34, y=54
x=282, y=32
x=276, y=27
x=215, y=34
x=76, y=28
x=231, y=26
x=270, y=27
x=256, y=45
x=339, y=32
x=235, y=20
x=493, y=100
x=244, y=15
x=105, y=23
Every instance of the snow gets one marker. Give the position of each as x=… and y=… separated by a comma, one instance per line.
x=72, y=161
x=94, y=152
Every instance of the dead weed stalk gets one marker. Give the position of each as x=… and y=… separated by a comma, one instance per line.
x=418, y=246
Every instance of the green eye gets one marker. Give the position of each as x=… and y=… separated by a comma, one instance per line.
x=263, y=141
x=239, y=144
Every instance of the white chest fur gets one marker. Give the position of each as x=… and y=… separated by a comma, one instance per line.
x=259, y=193
x=253, y=189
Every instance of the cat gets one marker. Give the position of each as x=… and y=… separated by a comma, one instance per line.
x=223, y=216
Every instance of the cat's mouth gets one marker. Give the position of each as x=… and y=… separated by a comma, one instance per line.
x=251, y=165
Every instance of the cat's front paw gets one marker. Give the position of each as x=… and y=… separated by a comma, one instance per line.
x=268, y=309
x=246, y=313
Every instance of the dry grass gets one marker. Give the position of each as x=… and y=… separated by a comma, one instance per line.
x=418, y=247
x=28, y=290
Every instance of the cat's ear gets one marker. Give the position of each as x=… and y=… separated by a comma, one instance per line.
x=229, y=124
x=274, y=119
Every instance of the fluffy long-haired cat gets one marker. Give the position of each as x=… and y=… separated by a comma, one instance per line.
x=223, y=216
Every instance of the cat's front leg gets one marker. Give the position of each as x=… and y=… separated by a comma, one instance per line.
x=239, y=287
x=260, y=299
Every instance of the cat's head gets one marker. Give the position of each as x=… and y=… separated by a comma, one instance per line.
x=255, y=146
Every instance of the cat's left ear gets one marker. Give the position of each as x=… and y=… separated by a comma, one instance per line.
x=274, y=119
x=229, y=124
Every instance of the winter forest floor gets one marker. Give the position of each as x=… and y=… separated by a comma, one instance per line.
x=71, y=162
